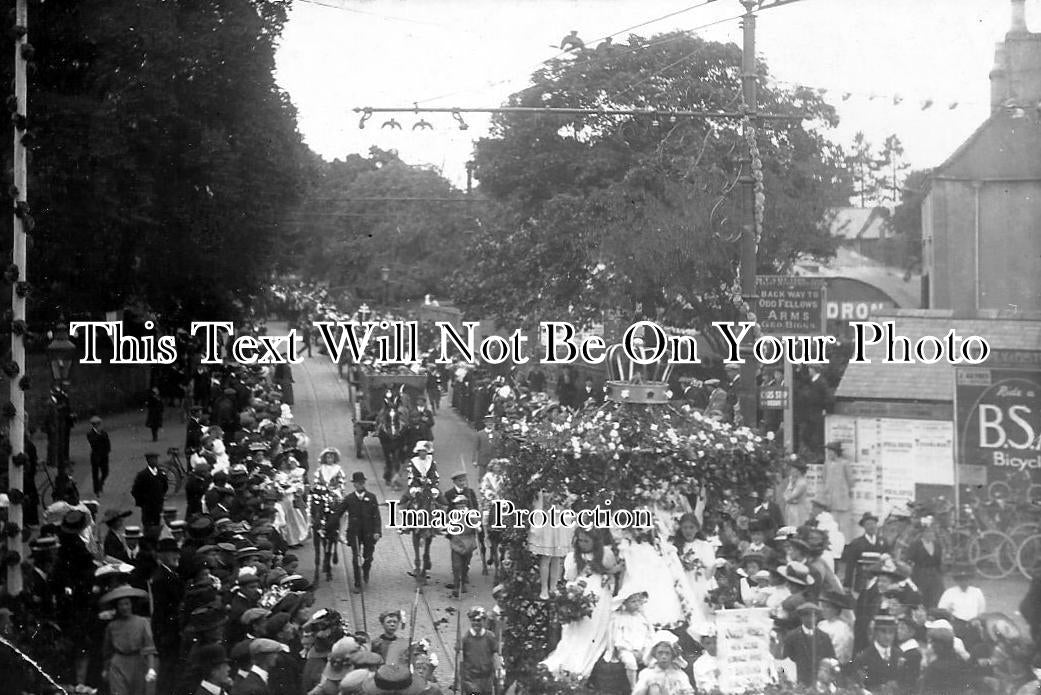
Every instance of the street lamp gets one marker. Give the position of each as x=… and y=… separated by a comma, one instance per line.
x=385, y=276
x=61, y=354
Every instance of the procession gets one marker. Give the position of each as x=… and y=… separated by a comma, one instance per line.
x=389, y=346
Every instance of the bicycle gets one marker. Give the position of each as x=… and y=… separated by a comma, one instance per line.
x=174, y=468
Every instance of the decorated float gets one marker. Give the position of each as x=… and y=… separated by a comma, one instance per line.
x=636, y=451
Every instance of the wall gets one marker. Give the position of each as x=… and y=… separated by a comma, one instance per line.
x=1009, y=245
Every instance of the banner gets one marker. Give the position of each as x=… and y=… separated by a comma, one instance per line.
x=998, y=425
x=743, y=639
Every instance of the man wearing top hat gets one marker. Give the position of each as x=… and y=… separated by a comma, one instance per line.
x=870, y=542
x=364, y=527
x=149, y=491
x=100, y=448
x=878, y=665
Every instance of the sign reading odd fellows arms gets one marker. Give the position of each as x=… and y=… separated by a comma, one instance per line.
x=998, y=419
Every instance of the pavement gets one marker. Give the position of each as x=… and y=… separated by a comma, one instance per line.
x=321, y=408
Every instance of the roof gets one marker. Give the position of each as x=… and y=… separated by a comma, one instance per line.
x=931, y=382
x=902, y=287
x=858, y=223
x=1005, y=146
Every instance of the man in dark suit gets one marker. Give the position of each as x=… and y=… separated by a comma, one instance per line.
x=458, y=490
x=149, y=491
x=364, y=527
x=766, y=512
x=806, y=645
x=591, y=394
x=211, y=661
x=878, y=665
x=167, y=590
x=870, y=542
x=264, y=654
x=100, y=448
x=193, y=431
x=489, y=443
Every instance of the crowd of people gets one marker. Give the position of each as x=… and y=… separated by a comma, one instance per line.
x=209, y=598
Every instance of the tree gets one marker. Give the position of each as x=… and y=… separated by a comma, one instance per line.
x=876, y=173
x=165, y=157
x=907, y=219
x=365, y=213
x=605, y=213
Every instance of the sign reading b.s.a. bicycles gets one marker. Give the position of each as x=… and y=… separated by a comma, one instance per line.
x=998, y=411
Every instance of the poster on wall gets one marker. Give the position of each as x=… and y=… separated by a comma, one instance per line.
x=743, y=639
x=893, y=459
x=998, y=425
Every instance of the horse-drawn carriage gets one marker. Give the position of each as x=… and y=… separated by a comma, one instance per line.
x=386, y=396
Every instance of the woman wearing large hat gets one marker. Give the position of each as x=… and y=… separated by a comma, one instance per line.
x=128, y=650
x=796, y=494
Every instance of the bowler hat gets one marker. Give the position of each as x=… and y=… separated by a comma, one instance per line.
x=358, y=477
x=866, y=517
x=838, y=599
x=206, y=618
x=74, y=521
x=112, y=515
x=209, y=656
x=151, y=456
x=168, y=545
x=835, y=446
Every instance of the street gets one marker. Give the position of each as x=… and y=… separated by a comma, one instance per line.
x=321, y=409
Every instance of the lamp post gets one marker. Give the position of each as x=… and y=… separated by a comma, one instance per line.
x=61, y=354
x=385, y=276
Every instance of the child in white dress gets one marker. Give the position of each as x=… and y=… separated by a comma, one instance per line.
x=664, y=675
x=631, y=631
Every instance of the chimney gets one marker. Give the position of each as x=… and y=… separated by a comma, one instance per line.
x=1015, y=80
x=999, y=78
x=1019, y=17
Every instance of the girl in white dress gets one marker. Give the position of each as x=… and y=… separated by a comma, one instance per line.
x=584, y=641
x=290, y=481
x=664, y=676
x=646, y=560
x=698, y=558
x=550, y=544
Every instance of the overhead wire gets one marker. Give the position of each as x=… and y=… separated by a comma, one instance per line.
x=562, y=53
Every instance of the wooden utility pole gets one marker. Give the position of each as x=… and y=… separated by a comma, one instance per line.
x=16, y=431
x=748, y=396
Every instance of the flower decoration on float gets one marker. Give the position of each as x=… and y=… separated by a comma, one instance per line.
x=638, y=441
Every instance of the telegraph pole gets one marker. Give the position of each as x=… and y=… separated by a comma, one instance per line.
x=16, y=431
x=749, y=396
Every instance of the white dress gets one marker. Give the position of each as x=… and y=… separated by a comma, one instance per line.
x=701, y=557
x=584, y=641
x=297, y=526
x=656, y=681
x=549, y=541
x=650, y=568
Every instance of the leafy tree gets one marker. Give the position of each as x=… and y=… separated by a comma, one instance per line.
x=366, y=213
x=165, y=156
x=632, y=213
x=906, y=221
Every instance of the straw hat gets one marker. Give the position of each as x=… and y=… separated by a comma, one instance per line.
x=392, y=679
x=123, y=592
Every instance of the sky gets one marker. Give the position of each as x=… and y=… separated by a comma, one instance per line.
x=336, y=55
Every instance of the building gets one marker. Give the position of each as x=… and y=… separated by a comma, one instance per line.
x=904, y=423
x=981, y=216
x=861, y=229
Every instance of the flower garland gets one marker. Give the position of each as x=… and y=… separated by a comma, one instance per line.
x=651, y=452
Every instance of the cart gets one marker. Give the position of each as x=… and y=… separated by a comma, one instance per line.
x=366, y=389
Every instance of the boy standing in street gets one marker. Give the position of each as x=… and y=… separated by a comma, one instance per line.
x=481, y=662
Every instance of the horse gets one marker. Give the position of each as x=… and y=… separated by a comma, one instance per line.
x=391, y=428
x=426, y=500
x=326, y=513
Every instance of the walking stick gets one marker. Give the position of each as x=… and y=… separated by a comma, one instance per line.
x=458, y=649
